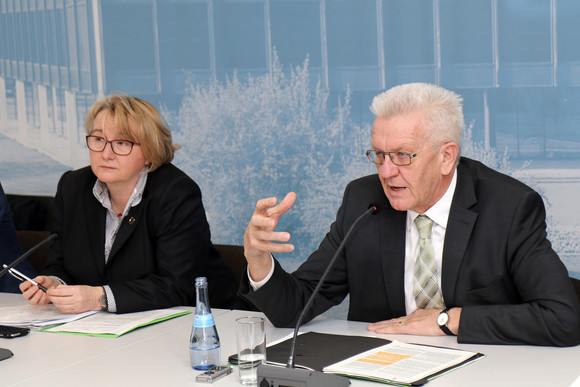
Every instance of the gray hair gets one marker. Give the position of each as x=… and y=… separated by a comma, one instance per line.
x=443, y=109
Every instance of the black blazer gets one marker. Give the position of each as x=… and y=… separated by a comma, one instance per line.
x=162, y=245
x=497, y=265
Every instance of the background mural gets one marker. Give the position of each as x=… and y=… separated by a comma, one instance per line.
x=268, y=96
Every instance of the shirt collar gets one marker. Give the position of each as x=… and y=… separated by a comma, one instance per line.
x=101, y=192
x=439, y=212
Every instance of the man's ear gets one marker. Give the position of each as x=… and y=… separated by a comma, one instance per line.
x=449, y=154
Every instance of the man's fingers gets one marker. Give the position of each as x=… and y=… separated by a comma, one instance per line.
x=261, y=221
x=266, y=241
x=394, y=326
x=260, y=236
x=421, y=322
x=284, y=205
x=263, y=204
x=267, y=213
x=267, y=235
x=374, y=327
x=277, y=247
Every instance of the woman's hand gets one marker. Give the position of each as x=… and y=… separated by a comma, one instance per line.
x=76, y=298
x=33, y=294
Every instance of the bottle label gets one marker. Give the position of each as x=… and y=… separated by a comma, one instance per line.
x=203, y=321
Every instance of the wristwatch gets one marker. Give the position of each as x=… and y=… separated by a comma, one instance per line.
x=103, y=300
x=442, y=320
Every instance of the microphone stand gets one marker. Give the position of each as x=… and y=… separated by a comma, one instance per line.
x=26, y=254
x=271, y=375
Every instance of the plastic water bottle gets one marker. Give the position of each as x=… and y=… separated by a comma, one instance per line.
x=204, y=345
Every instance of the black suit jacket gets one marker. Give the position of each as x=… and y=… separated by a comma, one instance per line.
x=162, y=245
x=497, y=265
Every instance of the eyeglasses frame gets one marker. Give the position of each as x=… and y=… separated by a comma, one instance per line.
x=410, y=155
x=110, y=142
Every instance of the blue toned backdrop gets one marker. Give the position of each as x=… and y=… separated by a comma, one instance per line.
x=268, y=96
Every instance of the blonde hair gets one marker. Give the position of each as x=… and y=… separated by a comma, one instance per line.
x=443, y=109
x=138, y=121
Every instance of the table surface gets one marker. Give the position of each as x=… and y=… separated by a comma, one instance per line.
x=158, y=355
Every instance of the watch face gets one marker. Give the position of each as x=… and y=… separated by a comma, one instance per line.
x=442, y=319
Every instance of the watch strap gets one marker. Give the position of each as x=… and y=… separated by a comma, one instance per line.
x=103, y=300
x=443, y=327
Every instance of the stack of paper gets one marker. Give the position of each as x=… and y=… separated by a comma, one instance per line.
x=94, y=323
x=37, y=316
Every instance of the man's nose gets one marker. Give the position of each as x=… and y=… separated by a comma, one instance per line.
x=387, y=169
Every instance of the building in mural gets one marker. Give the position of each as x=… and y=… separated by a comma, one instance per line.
x=516, y=63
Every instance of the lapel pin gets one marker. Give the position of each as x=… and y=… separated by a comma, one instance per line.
x=131, y=220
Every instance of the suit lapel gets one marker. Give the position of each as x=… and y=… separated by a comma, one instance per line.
x=393, y=224
x=459, y=228
x=128, y=226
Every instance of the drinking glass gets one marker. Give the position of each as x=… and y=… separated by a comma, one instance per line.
x=251, y=340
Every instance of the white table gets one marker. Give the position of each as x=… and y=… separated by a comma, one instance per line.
x=158, y=355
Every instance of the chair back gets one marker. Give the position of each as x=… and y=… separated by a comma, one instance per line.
x=576, y=285
x=28, y=239
x=234, y=257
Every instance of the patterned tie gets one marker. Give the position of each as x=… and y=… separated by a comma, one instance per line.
x=425, y=287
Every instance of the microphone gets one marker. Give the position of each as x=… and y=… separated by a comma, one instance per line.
x=273, y=376
x=26, y=254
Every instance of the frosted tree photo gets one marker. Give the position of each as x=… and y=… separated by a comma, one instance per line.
x=246, y=140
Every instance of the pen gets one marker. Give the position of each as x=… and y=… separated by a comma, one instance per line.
x=18, y=275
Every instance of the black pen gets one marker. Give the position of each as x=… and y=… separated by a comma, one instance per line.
x=21, y=277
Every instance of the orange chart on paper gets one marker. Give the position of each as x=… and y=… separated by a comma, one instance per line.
x=384, y=358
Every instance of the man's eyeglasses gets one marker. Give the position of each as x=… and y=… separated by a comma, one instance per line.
x=119, y=147
x=397, y=158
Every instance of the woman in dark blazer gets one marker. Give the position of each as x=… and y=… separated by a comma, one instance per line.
x=132, y=230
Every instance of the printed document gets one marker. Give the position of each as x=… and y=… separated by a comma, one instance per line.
x=401, y=363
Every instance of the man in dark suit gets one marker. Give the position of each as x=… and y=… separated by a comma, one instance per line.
x=484, y=271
